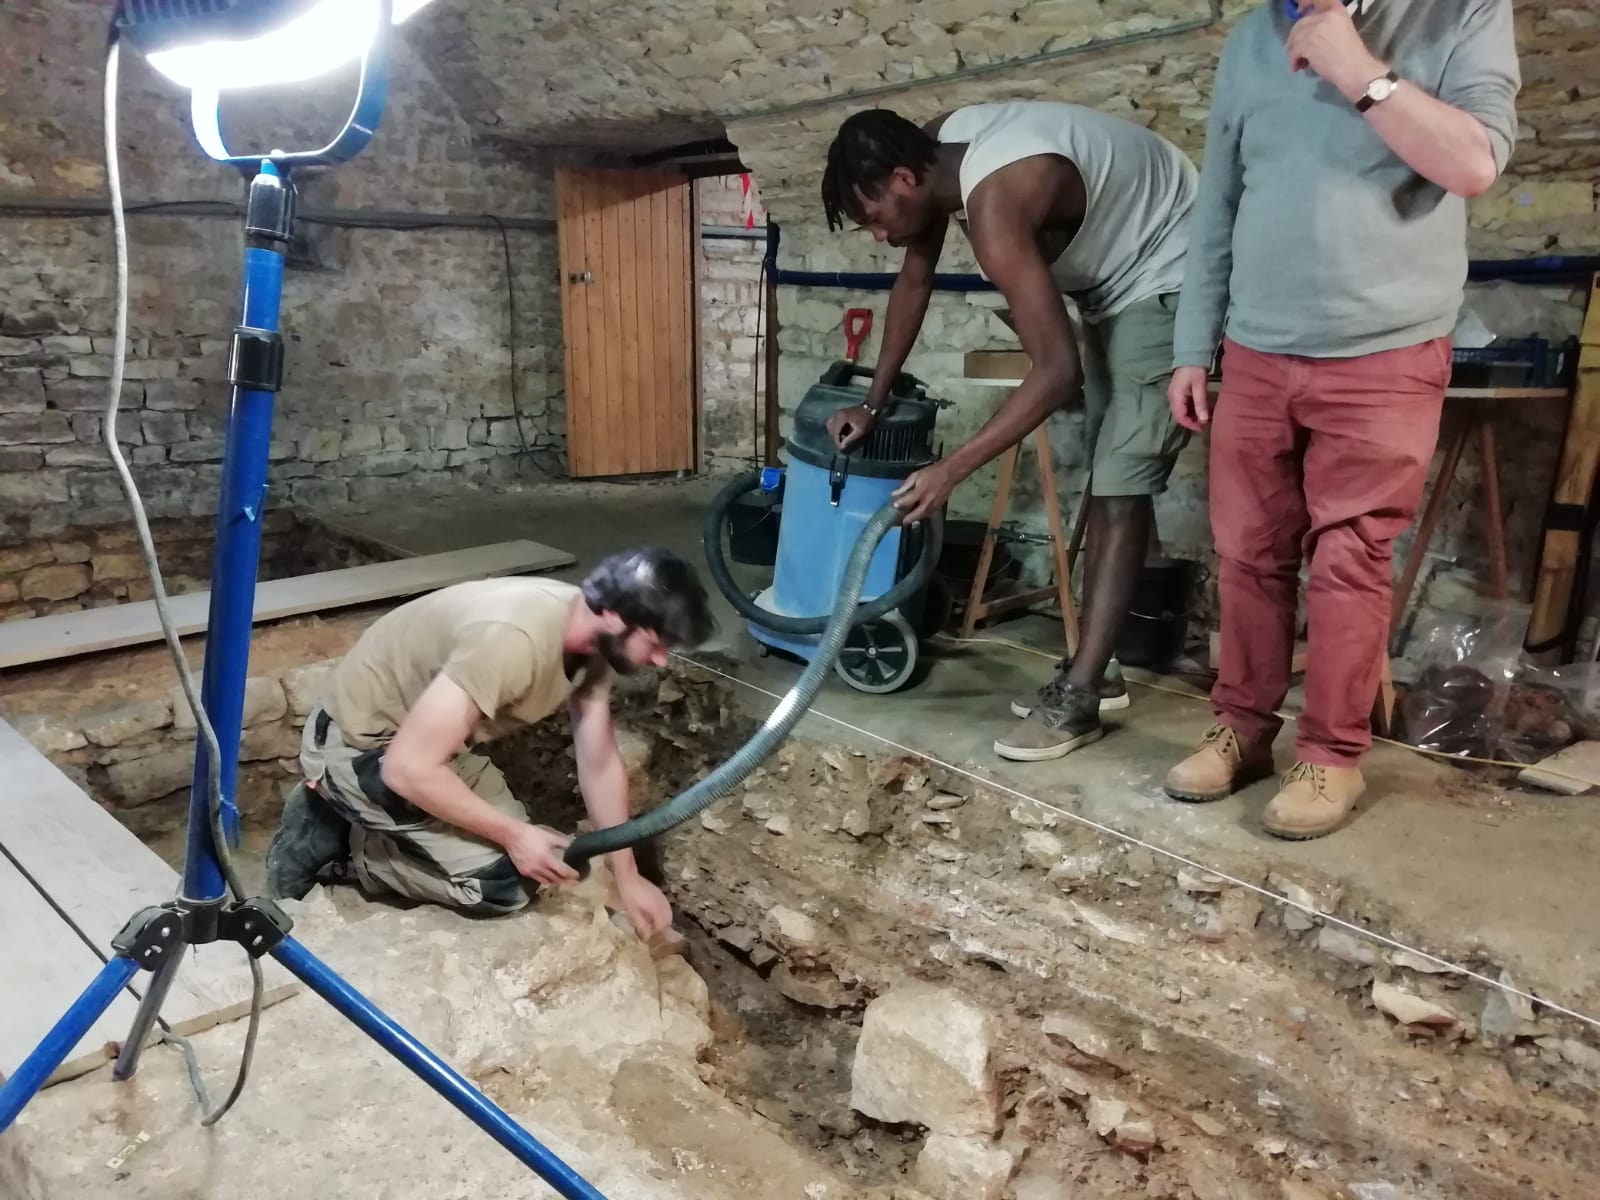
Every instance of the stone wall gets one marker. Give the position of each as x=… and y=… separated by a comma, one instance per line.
x=88, y=566
x=733, y=382
x=135, y=753
x=397, y=341
x=1545, y=204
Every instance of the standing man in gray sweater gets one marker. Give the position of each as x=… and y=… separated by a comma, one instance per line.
x=1329, y=244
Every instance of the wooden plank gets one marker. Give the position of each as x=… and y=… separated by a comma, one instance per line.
x=1058, y=535
x=65, y=635
x=697, y=335
x=675, y=326
x=995, y=364
x=630, y=281
x=98, y=875
x=688, y=305
x=595, y=417
x=647, y=203
x=611, y=456
x=1575, y=475
x=47, y=968
x=574, y=315
x=1569, y=771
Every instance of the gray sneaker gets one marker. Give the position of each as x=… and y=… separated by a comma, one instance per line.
x=1052, y=731
x=1113, y=691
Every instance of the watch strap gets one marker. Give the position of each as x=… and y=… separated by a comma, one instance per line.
x=1367, y=99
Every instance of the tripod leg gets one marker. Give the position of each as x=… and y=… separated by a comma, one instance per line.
x=432, y=1070
x=149, y=1010
x=37, y=1068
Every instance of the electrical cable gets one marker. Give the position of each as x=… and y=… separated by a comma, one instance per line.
x=755, y=369
x=511, y=335
x=152, y=563
x=1172, y=855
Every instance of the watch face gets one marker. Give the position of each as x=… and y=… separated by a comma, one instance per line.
x=1381, y=89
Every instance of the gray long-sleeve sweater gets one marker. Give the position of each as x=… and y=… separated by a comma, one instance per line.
x=1309, y=235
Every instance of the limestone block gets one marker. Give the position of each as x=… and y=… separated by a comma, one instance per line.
x=61, y=581
x=925, y=1057
x=48, y=735
x=118, y=725
x=1041, y=849
x=140, y=780
x=963, y=1168
x=264, y=700
x=28, y=554
x=35, y=429
x=304, y=686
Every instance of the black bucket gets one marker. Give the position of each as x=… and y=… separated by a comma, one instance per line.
x=753, y=522
x=1157, y=628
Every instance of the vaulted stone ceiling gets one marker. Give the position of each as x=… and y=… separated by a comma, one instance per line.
x=642, y=75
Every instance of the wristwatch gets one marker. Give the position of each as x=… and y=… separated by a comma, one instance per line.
x=1379, y=90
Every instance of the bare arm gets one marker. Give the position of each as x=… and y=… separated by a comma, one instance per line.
x=908, y=306
x=1459, y=141
x=1007, y=211
x=416, y=765
x=602, y=775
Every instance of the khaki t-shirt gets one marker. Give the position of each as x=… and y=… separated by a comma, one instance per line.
x=498, y=639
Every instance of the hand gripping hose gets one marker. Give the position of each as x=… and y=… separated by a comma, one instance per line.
x=785, y=716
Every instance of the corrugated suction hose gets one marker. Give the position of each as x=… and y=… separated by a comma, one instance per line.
x=847, y=612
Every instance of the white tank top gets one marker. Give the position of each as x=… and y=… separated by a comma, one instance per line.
x=1140, y=188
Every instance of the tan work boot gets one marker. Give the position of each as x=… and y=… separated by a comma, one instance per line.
x=1314, y=801
x=1221, y=766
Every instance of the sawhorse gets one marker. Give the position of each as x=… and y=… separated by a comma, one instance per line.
x=1000, y=369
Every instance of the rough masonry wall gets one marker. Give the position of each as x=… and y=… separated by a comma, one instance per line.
x=1546, y=204
x=398, y=369
x=733, y=383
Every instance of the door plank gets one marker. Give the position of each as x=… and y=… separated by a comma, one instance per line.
x=631, y=398
x=574, y=317
x=629, y=281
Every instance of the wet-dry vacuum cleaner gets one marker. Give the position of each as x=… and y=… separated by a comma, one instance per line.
x=826, y=499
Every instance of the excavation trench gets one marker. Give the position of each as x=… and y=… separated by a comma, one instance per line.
x=1155, y=1031
x=1145, y=1031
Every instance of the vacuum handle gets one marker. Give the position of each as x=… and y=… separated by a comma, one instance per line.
x=842, y=372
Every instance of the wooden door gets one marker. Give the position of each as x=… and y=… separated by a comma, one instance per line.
x=628, y=312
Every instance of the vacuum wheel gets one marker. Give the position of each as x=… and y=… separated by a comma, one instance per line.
x=880, y=655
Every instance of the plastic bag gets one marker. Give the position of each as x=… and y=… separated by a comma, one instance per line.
x=1548, y=710
x=1458, y=704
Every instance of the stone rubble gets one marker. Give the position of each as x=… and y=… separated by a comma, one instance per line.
x=963, y=1168
x=925, y=1056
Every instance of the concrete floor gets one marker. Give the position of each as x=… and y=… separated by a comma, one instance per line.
x=1436, y=858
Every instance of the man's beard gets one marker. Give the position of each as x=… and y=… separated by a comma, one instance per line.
x=610, y=647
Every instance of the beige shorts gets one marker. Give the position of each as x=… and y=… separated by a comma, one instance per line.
x=395, y=846
x=1132, y=439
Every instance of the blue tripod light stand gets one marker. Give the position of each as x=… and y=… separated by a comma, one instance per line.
x=207, y=45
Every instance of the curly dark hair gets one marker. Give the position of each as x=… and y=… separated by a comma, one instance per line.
x=868, y=148
x=651, y=588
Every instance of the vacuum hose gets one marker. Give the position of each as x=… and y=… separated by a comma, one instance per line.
x=847, y=612
x=929, y=532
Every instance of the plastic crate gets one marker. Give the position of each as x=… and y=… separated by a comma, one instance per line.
x=1530, y=362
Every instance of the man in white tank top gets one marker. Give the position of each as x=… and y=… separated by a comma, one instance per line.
x=1056, y=200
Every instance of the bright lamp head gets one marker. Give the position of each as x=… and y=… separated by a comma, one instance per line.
x=218, y=45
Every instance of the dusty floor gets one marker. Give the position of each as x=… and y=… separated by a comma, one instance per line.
x=1248, y=1037
x=1437, y=854
x=1156, y=1034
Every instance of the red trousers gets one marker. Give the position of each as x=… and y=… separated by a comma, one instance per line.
x=1323, y=461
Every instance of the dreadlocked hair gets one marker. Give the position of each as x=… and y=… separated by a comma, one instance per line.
x=868, y=148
